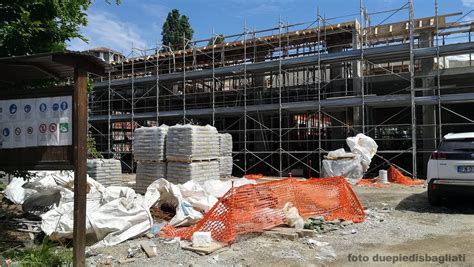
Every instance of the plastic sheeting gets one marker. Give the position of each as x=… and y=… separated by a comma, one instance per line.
x=218, y=188
x=188, y=199
x=116, y=214
x=350, y=165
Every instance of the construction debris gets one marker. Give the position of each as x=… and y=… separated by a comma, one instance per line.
x=350, y=165
x=201, y=239
x=320, y=225
x=253, y=208
x=150, y=248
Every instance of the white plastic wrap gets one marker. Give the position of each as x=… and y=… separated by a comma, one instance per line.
x=188, y=199
x=218, y=188
x=225, y=144
x=351, y=169
x=149, y=143
x=199, y=171
x=364, y=146
x=113, y=216
x=191, y=142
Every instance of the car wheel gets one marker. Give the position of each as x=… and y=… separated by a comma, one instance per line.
x=433, y=198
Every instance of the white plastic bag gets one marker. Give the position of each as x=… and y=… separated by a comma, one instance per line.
x=364, y=146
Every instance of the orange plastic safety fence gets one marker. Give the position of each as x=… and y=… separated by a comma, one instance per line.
x=372, y=182
x=253, y=176
x=395, y=176
x=254, y=208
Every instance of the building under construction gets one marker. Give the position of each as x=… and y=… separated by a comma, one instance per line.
x=289, y=94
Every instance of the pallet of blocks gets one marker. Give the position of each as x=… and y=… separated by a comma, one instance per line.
x=199, y=171
x=108, y=172
x=149, y=146
x=147, y=173
x=225, y=155
x=149, y=143
x=191, y=153
x=187, y=143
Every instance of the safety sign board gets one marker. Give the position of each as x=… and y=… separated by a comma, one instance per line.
x=36, y=122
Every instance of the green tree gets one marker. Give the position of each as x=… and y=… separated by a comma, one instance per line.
x=174, y=29
x=33, y=26
x=219, y=39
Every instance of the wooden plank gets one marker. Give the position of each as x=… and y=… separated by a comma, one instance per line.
x=213, y=247
x=150, y=252
x=80, y=160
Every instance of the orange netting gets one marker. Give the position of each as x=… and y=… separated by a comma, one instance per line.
x=253, y=176
x=395, y=176
x=372, y=182
x=256, y=207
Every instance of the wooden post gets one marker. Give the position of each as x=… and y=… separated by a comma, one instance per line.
x=80, y=161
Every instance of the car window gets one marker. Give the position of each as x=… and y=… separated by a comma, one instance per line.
x=466, y=144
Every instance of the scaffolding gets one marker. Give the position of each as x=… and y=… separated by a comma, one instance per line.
x=293, y=92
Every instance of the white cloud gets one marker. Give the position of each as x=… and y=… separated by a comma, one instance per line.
x=104, y=29
x=468, y=3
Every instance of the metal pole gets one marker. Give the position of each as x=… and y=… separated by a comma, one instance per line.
x=412, y=88
x=133, y=109
x=109, y=132
x=438, y=77
x=157, y=86
x=213, y=85
x=245, y=97
x=184, y=78
x=362, y=65
x=280, y=80
x=319, y=92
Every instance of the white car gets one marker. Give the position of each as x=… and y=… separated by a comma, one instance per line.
x=451, y=168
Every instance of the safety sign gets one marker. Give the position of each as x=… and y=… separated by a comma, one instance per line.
x=34, y=122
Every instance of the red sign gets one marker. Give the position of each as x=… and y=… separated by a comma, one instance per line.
x=29, y=130
x=17, y=131
x=53, y=127
x=42, y=128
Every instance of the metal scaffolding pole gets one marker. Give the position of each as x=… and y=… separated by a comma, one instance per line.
x=245, y=97
x=109, y=132
x=362, y=64
x=280, y=80
x=157, y=55
x=184, y=78
x=438, y=76
x=213, y=85
x=319, y=92
x=412, y=87
x=133, y=110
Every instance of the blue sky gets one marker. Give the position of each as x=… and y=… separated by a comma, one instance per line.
x=138, y=23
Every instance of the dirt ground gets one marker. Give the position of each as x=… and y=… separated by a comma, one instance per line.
x=400, y=223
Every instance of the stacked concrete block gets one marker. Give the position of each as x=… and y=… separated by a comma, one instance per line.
x=149, y=147
x=105, y=171
x=187, y=143
x=225, y=155
x=149, y=143
x=191, y=153
x=147, y=173
x=225, y=144
x=225, y=166
x=199, y=171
